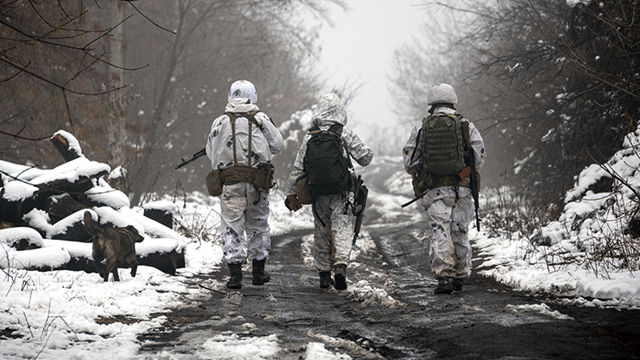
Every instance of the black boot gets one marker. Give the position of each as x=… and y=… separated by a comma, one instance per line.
x=341, y=277
x=235, y=282
x=457, y=284
x=445, y=286
x=325, y=279
x=259, y=275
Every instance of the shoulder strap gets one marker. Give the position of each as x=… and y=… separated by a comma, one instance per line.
x=337, y=129
x=252, y=120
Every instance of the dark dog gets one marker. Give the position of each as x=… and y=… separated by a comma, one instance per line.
x=113, y=245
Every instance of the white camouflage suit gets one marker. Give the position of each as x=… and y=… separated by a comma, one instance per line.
x=332, y=242
x=450, y=250
x=243, y=209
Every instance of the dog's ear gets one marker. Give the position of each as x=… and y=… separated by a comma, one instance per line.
x=131, y=228
x=88, y=223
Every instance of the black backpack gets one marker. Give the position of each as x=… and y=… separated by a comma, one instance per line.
x=326, y=166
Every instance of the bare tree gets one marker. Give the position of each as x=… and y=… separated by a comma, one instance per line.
x=555, y=87
x=173, y=101
x=60, y=53
x=52, y=76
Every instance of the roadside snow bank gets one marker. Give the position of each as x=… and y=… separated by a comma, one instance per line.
x=76, y=315
x=592, y=250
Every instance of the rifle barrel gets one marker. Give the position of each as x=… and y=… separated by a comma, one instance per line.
x=195, y=156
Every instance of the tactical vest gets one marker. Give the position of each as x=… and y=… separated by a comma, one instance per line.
x=442, y=143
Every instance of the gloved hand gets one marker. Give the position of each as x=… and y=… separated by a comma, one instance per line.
x=292, y=203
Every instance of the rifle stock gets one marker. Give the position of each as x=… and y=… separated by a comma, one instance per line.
x=360, y=202
x=195, y=157
x=356, y=229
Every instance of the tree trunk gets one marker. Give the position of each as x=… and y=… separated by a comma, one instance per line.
x=116, y=134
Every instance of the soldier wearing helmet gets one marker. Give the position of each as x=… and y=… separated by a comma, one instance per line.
x=446, y=196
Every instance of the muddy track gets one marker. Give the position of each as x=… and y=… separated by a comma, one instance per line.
x=481, y=322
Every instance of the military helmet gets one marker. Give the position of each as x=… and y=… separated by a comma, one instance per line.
x=442, y=94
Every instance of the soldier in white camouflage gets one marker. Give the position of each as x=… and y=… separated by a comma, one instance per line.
x=244, y=208
x=333, y=219
x=449, y=203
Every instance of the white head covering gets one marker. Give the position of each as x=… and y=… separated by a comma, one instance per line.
x=442, y=93
x=329, y=109
x=243, y=89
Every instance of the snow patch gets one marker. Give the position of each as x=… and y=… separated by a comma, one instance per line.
x=543, y=309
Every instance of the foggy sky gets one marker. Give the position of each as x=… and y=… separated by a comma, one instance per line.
x=359, y=49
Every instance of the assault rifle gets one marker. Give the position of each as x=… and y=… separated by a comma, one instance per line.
x=474, y=175
x=195, y=157
x=360, y=202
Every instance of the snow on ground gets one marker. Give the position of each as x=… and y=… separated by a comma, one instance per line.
x=75, y=315
x=507, y=263
x=592, y=221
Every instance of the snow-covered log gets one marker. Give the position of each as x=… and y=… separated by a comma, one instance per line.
x=43, y=259
x=166, y=255
x=160, y=211
x=19, y=197
x=67, y=145
x=21, y=238
x=61, y=206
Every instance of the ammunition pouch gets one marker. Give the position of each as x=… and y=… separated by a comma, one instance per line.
x=261, y=178
x=214, y=182
x=302, y=191
x=422, y=184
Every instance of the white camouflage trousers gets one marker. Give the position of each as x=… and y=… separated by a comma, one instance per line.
x=450, y=250
x=243, y=209
x=332, y=242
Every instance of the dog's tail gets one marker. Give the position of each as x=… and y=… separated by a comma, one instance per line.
x=89, y=225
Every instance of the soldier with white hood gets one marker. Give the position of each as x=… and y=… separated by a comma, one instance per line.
x=245, y=139
x=446, y=198
x=332, y=218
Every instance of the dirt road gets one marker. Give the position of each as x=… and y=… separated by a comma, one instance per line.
x=484, y=321
x=389, y=310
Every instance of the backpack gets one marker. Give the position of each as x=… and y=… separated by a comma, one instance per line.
x=442, y=145
x=326, y=166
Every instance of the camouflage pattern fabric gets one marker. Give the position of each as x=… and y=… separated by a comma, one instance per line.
x=332, y=242
x=450, y=250
x=239, y=215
